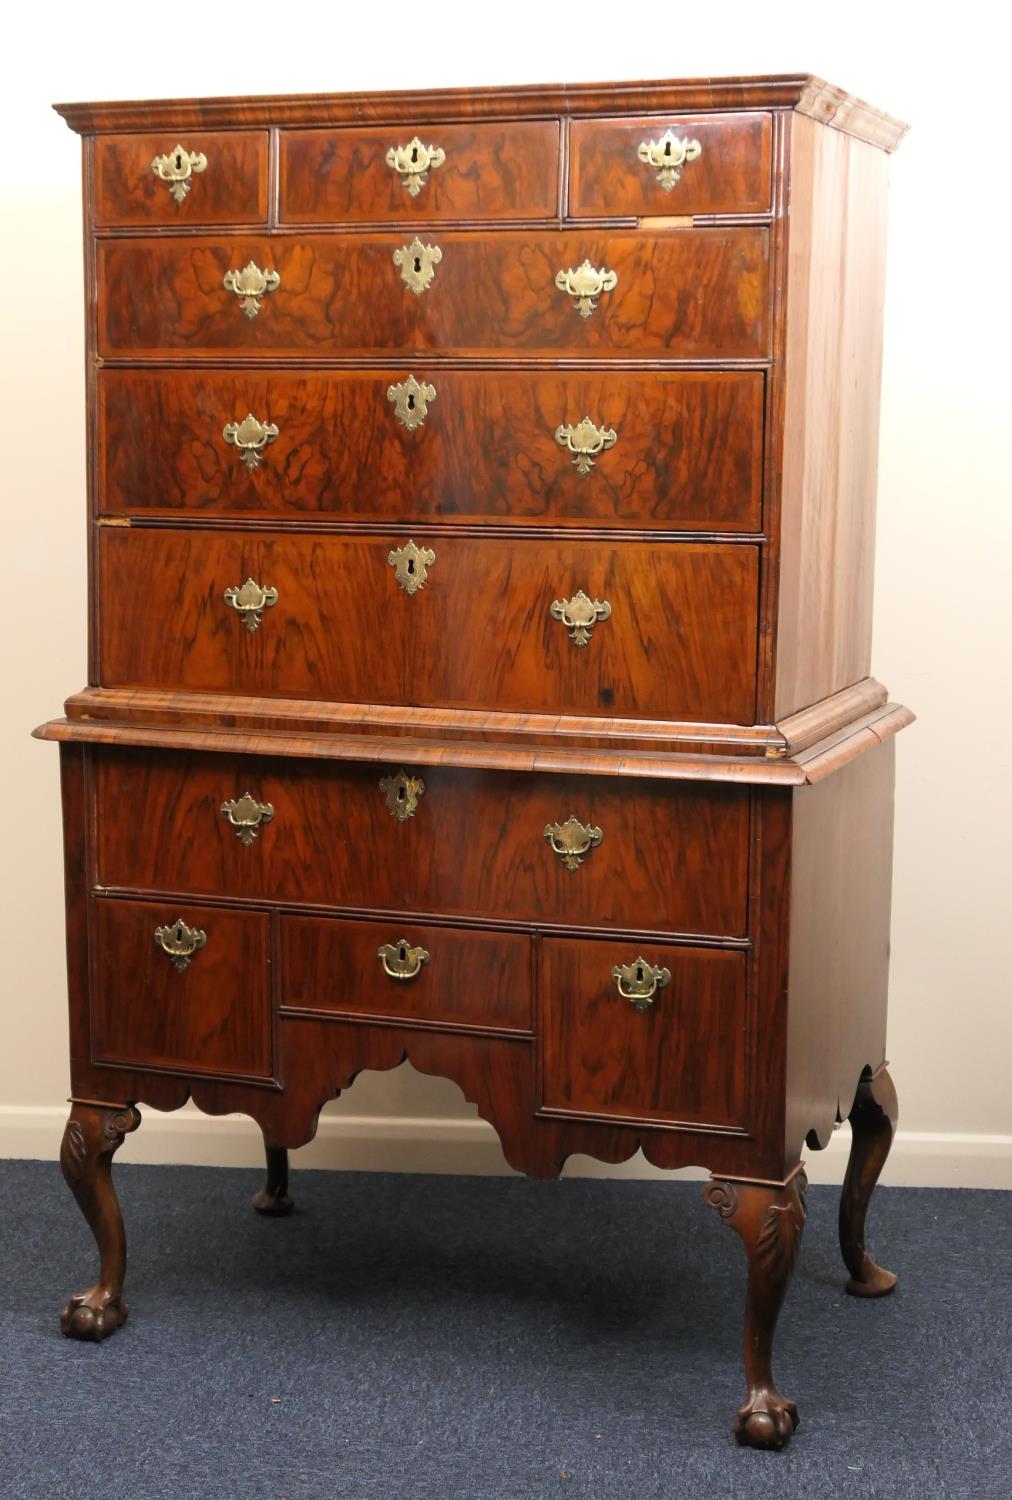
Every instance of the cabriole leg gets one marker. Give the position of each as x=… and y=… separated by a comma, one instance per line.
x=273, y=1196
x=873, y=1123
x=92, y=1134
x=770, y=1221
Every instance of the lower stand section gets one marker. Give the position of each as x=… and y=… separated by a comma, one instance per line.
x=273, y=1198
x=770, y=1220
x=873, y=1123
x=92, y=1135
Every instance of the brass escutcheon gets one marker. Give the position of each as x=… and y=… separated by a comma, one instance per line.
x=249, y=602
x=586, y=285
x=413, y=162
x=417, y=263
x=402, y=793
x=580, y=615
x=180, y=942
x=639, y=982
x=571, y=840
x=585, y=441
x=247, y=816
x=669, y=155
x=400, y=960
x=251, y=285
x=177, y=167
x=411, y=401
x=251, y=437
x=411, y=566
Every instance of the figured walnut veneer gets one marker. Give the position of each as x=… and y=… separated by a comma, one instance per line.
x=557, y=504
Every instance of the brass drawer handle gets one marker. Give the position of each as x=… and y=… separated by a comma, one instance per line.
x=177, y=167
x=247, y=816
x=417, y=263
x=411, y=401
x=249, y=602
x=401, y=793
x=251, y=285
x=580, y=615
x=586, y=285
x=413, y=162
x=668, y=155
x=639, y=982
x=251, y=437
x=411, y=566
x=571, y=840
x=180, y=942
x=400, y=960
x=585, y=441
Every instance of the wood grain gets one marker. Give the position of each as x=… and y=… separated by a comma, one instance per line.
x=683, y=1060
x=214, y=1017
x=687, y=293
x=731, y=175
x=832, y=368
x=672, y=858
x=680, y=641
x=507, y=171
x=232, y=188
x=688, y=454
x=478, y=980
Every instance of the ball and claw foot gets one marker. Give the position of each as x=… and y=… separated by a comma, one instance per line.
x=93, y=1315
x=767, y=1420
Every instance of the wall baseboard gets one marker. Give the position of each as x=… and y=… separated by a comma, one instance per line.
x=384, y=1143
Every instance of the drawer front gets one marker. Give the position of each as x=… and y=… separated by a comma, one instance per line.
x=452, y=622
x=217, y=177
x=688, y=293
x=485, y=171
x=659, y=856
x=399, y=971
x=194, y=997
x=687, y=453
x=703, y=164
x=676, y=1055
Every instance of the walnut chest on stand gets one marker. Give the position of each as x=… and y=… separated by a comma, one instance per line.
x=481, y=523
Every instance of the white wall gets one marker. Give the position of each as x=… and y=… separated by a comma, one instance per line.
x=943, y=630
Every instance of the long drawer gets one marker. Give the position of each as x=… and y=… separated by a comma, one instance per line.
x=679, y=449
x=684, y=293
x=549, y=849
x=624, y=628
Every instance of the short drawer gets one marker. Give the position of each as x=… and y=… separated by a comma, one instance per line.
x=652, y=1033
x=585, y=627
x=534, y=848
x=492, y=171
x=207, y=177
x=685, y=447
x=683, y=293
x=180, y=986
x=660, y=166
x=402, y=972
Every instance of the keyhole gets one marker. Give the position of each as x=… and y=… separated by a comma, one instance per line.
x=403, y=954
x=179, y=162
x=411, y=403
x=418, y=263
x=411, y=569
x=414, y=153
x=401, y=791
x=667, y=148
x=639, y=973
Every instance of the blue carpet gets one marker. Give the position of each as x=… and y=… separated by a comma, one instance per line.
x=427, y=1338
